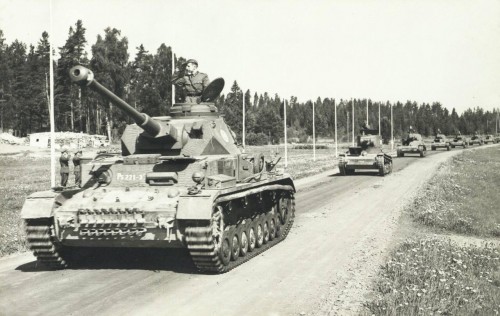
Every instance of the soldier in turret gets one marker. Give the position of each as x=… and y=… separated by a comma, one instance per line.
x=64, y=160
x=191, y=81
x=77, y=170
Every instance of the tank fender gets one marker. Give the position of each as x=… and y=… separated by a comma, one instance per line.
x=39, y=205
x=195, y=207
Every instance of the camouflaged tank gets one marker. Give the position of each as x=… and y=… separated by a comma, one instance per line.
x=180, y=182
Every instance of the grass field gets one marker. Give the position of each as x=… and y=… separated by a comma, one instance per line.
x=430, y=273
x=23, y=175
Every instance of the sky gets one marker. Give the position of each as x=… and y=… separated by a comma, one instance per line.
x=445, y=51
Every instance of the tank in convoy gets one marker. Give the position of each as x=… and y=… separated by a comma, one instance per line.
x=180, y=181
x=367, y=154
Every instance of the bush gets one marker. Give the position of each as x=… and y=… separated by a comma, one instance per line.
x=309, y=146
x=256, y=139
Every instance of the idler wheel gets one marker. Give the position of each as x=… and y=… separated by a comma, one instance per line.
x=252, y=240
x=283, y=210
x=243, y=243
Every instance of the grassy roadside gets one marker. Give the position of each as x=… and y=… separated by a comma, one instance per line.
x=430, y=273
x=22, y=175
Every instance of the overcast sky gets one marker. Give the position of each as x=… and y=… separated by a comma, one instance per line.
x=424, y=51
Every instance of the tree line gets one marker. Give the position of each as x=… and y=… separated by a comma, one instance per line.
x=144, y=82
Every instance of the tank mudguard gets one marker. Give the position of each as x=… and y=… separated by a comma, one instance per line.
x=195, y=207
x=39, y=205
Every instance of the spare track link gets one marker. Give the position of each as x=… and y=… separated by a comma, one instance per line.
x=41, y=242
x=206, y=258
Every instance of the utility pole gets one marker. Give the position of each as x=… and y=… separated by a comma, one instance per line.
x=244, y=130
x=347, y=126
x=367, y=112
x=173, y=70
x=379, y=127
x=314, y=136
x=392, y=132
x=51, y=113
x=286, y=141
x=352, y=102
x=336, y=140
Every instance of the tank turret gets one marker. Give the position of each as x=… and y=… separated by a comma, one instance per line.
x=192, y=129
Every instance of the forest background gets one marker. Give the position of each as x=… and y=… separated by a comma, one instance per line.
x=144, y=82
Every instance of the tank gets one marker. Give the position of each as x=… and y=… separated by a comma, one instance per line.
x=180, y=181
x=440, y=141
x=366, y=155
x=412, y=144
x=489, y=139
x=460, y=141
x=476, y=140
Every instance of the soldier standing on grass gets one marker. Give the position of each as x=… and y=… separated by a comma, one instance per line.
x=64, y=160
x=78, y=168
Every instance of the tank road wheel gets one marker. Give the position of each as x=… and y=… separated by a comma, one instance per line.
x=243, y=243
x=265, y=228
x=252, y=240
x=259, y=234
x=225, y=251
x=235, y=245
x=272, y=229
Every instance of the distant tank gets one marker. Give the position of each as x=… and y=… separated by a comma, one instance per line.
x=441, y=141
x=459, y=140
x=412, y=144
x=366, y=155
x=180, y=181
x=476, y=140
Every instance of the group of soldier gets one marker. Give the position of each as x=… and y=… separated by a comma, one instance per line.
x=77, y=169
x=187, y=78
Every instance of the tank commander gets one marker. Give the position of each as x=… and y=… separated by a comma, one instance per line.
x=64, y=160
x=191, y=81
x=77, y=170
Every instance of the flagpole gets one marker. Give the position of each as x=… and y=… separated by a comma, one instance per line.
x=173, y=70
x=352, y=103
x=286, y=141
x=314, y=135
x=336, y=142
x=244, y=130
x=52, y=120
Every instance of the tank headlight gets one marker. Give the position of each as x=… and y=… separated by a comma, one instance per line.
x=198, y=177
x=173, y=192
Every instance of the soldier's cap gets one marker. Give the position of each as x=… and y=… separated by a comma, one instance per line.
x=192, y=61
x=64, y=149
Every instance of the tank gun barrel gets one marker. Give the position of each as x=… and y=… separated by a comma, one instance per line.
x=85, y=77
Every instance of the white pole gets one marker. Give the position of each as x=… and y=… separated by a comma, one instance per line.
x=244, y=131
x=314, y=136
x=52, y=120
x=286, y=141
x=352, y=103
x=366, y=112
x=173, y=70
x=392, y=131
x=379, y=128
x=336, y=142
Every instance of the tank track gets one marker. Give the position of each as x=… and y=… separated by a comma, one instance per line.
x=203, y=249
x=41, y=241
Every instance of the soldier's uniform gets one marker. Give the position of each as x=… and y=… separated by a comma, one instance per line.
x=192, y=85
x=77, y=170
x=64, y=161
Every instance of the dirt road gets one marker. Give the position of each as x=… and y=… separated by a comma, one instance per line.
x=339, y=238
